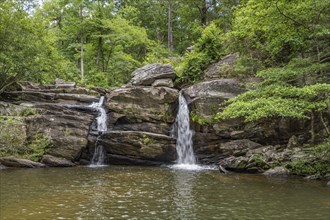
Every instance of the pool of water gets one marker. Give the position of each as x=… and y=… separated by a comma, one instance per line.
x=119, y=192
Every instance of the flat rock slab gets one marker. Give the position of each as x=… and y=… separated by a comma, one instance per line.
x=146, y=76
x=17, y=162
x=36, y=96
x=52, y=161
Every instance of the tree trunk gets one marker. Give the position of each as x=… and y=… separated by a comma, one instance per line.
x=203, y=13
x=82, y=45
x=312, y=127
x=324, y=123
x=169, y=25
x=99, y=50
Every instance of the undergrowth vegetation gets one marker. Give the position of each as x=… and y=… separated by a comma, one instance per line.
x=14, y=140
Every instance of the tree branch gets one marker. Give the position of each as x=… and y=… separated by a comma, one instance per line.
x=286, y=16
x=324, y=124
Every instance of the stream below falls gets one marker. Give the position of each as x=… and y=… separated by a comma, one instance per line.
x=124, y=192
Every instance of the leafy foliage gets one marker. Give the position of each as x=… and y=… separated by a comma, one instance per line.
x=36, y=149
x=208, y=49
x=199, y=119
x=276, y=31
x=13, y=140
x=26, y=52
x=12, y=136
x=275, y=97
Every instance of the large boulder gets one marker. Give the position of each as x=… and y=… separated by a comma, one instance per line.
x=138, y=104
x=139, y=146
x=17, y=162
x=147, y=75
x=223, y=69
x=56, y=116
x=207, y=96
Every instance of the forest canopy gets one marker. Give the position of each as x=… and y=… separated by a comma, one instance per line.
x=100, y=42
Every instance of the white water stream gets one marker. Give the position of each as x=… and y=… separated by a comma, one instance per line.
x=184, y=144
x=99, y=153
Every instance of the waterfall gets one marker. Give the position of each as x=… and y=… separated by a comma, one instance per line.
x=184, y=144
x=99, y=153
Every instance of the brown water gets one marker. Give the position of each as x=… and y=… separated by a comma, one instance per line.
x=117, y=192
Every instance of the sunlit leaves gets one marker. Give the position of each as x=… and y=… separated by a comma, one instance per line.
x=278, y=100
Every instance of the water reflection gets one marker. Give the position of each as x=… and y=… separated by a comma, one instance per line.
x=184, y=196
x=156, y=193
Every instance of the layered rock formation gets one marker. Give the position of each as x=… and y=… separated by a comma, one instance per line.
x=55, y=117
x=241, y=146
x=141, y=115
x=140, y=118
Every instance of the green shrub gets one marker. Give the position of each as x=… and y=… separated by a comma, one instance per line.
x=13, y=140
x=37, y=147
x=283, y=93
x=12, y=136
x=207, y=50
x=199, y=119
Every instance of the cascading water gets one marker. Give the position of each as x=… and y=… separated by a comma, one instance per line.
x=184, y=144
x=99, y=154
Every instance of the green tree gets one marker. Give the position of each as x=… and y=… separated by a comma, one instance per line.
x=208, y=49
x=107, y=39
x=276, y=31
x=27, y=52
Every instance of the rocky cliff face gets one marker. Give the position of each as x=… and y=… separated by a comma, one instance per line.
x=140, y=119
x=56, y=114
x=140, y=116
x=247, y=147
